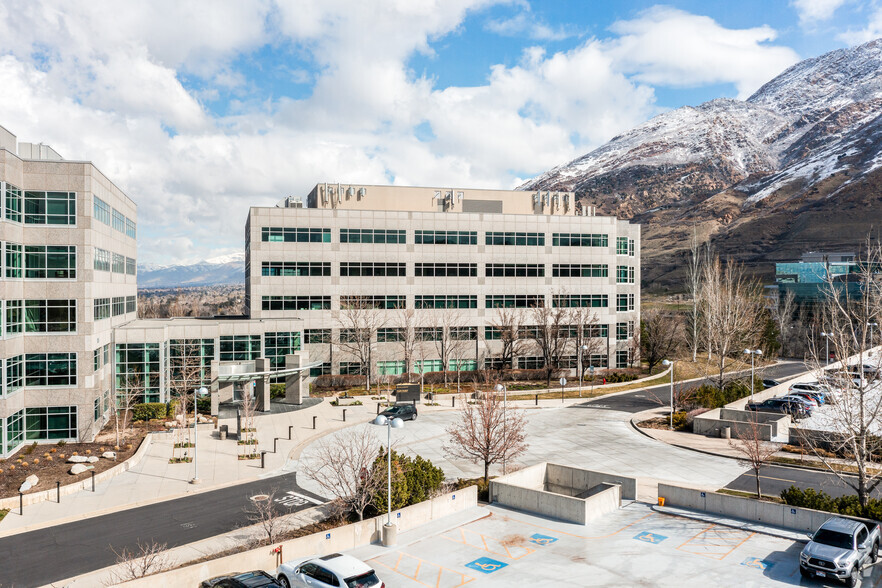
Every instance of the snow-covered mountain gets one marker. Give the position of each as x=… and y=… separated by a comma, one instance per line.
x=810, y=140
x=226, y=269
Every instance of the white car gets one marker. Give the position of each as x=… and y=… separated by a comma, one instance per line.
x=336, y=570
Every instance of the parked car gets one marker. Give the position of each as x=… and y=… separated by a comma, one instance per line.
x=810, y=405
x=336, y=569
x=795, y=409
x=255, y=579
x=839, y=549
x=770, y=383
x=815, y=397
x=814, y=387
x=405, y=412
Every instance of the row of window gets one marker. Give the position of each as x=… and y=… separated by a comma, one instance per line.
x=39, y=208
x=117, y=306
x=432, y=237
x=40, y=262
x=42, y=423
x=107, y=261
x=110, y=216
x=624, y=330
x=398, y=367
x=100, y=357
x=624, y=274
x=624, y=302
x=40, y=370
x=40, y=316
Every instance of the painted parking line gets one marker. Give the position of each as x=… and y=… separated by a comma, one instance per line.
x=648, y=537
x=486, y=565
x=755, y=562
x=559, y=532
x=715, y=542
x=422, y=571
x=511, y=547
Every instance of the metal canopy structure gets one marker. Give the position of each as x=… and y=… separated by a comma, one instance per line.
x=250, y=376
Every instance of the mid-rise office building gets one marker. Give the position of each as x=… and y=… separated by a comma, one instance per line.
x=446, y=262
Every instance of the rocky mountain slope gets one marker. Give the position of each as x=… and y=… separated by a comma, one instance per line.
x=795, y=167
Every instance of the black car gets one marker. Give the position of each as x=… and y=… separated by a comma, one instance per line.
x=405, y=412
x=255, y=579
x=792, y=407
x=770, y=383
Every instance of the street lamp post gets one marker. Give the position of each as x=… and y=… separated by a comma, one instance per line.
x=563, y=382
x=389, y=530
x=752, y=353
x=196, y=394
x=581, y=349
x=666, y=362
x=827, y=337
x=504, y=389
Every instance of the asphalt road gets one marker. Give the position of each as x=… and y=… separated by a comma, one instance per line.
x=774, y=479
x=640, y=400
x=49, y=555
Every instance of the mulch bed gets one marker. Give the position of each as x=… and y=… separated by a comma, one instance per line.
x=655, y=423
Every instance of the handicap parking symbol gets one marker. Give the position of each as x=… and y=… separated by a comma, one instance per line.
x=486, y=565
x=755, y=562
x=542, y=539
x=650, y=537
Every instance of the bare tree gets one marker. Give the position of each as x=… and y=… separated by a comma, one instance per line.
x=408, y=322
x=145, y=560
x=264, y=512
x=733, y=310
x=694, y=274
x=550, y=336
x=359, y=318
x=451, y=343
x=342, y=467
x=783, y=314
x=248, y=434
x=755, y=452
x=853, y=422
x=126, y=399
x=486, y=433
x=660, y=336
x=585, y=332
x=507, y=326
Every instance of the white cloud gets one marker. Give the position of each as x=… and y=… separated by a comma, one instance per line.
x=872, y=30
x=527, y=25
x=670, y=47
x=814, y=11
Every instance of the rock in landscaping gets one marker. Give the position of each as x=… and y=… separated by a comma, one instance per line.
x=109, y=455
x=80, y=468
x=93, y=459
x=29, y=483
x=77, y=459
x=203, y=419
x=170, y=424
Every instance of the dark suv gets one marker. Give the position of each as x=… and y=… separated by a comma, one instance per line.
x=405, y=412
x=792, y=407
x=255, y=579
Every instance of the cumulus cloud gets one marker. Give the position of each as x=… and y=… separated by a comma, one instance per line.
x=814, y=11
x=873, y=30
x=528, y=25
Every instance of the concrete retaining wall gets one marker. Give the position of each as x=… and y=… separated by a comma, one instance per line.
x=559, y=478
x=335, y=540
x=748, y=509
x=711, y=423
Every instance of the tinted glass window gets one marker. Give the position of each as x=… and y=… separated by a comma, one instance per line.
x=323, y=575
x=364, y=581
x=833, y=538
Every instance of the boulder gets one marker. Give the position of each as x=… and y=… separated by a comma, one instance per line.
x=170, y=424
x=93, y=458
x=109, y=455
x=80, y=468
x=29, y=483
x=77, y=459
x=203, y=419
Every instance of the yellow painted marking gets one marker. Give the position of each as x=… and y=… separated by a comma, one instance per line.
x=715, y=542
x=511, y=553
x=454, y=578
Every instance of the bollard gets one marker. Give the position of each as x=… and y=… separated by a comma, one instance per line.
x=313, y=422
x=453, y=402
x=58, y=492
x=93, y=480
x=276, y=440
x=21, y=503
x=262, y=458
x=290, y=428
x=344, y=415
x=378, y=408
x=537, y=400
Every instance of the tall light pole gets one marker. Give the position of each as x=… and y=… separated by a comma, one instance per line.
x=504, y=389
x=581, y=349
x=752, y=353
x=827, y=337
x=196, y=394
x=666, y=362
x=389, y=536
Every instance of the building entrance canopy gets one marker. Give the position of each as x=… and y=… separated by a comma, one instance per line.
x=255, y=375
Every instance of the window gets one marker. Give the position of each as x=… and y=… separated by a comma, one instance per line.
x=445, y=237
x=622, y=358
x=97, y=410
x=50, y=208
x=190, y=362
x=320, y=370
x=130, y=228
x=621, y=246
x=529, y=332
x=372, y=236
x=239, y=347
x=514, y=270
x=360, y=268
x=14, y=316
x=580, y=240
x=351, y=368
x=13, y=203
x=50, y=316
x=278, y=345
x=119, y=221
x=428, y=365
x=50, y=261
x=13, y=260
x=101, y=309
x=354, y=335
x=295, y=268
x=624, y=302
x=119, y=264
x=492, y=333
x=376, y=302
x=621, y=331
x=118, y=305
x=579, y=270
x=463, y=333
x=428, y=333
x=131, y=266
x=51, y=422
x=50, y=369
x=296, y=303
x=137, y=371
x=449, y=270
x=15, y=430
x=101, y=210
x=596, y=330
x=463, y=365
x=580, y=301
x=107, y=354
x=445, y=301
x=96, y=360
x=531, y=363
x=631, y=247
x=317, y=336
x=390, y=335
x=14, y=373
x=513, y=238
x=131, y=304
x=290, y=235
x=102, y=260
x=630, y=329
x=624, y=274
x=390, y=368
x=597, y=360
x=514, y=301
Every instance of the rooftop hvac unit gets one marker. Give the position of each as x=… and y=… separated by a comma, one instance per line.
x=350, y=191
x=323, y=194
x=545, y=198
x=437, y=195
x=361, y=192
x=536, y=198
x=566, y=199
x=294, y=202
x=459, y=196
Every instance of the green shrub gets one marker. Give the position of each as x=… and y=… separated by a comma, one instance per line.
x=618, y=377
x=680, y=421
x=148, y=411
x=708, y=396
x=483, y=488
x=277, y=391
x=844, y=505
x=413, y=480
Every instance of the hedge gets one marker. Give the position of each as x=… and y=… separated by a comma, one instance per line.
x=844, y=505
x=149, y=410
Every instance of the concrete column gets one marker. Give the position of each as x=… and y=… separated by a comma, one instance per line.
x=215, y=390
x=295, y=384
x=262, y=387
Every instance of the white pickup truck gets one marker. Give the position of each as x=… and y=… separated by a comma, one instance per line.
x=839, y=549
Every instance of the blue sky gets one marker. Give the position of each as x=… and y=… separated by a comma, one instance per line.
x=200, y=109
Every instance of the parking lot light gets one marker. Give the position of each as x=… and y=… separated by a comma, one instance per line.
x=827, y=337
x=390, y=424
x=752, y=353
x=504, y=389
x=666, y=362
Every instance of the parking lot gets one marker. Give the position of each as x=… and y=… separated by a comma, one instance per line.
x=636, y=546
